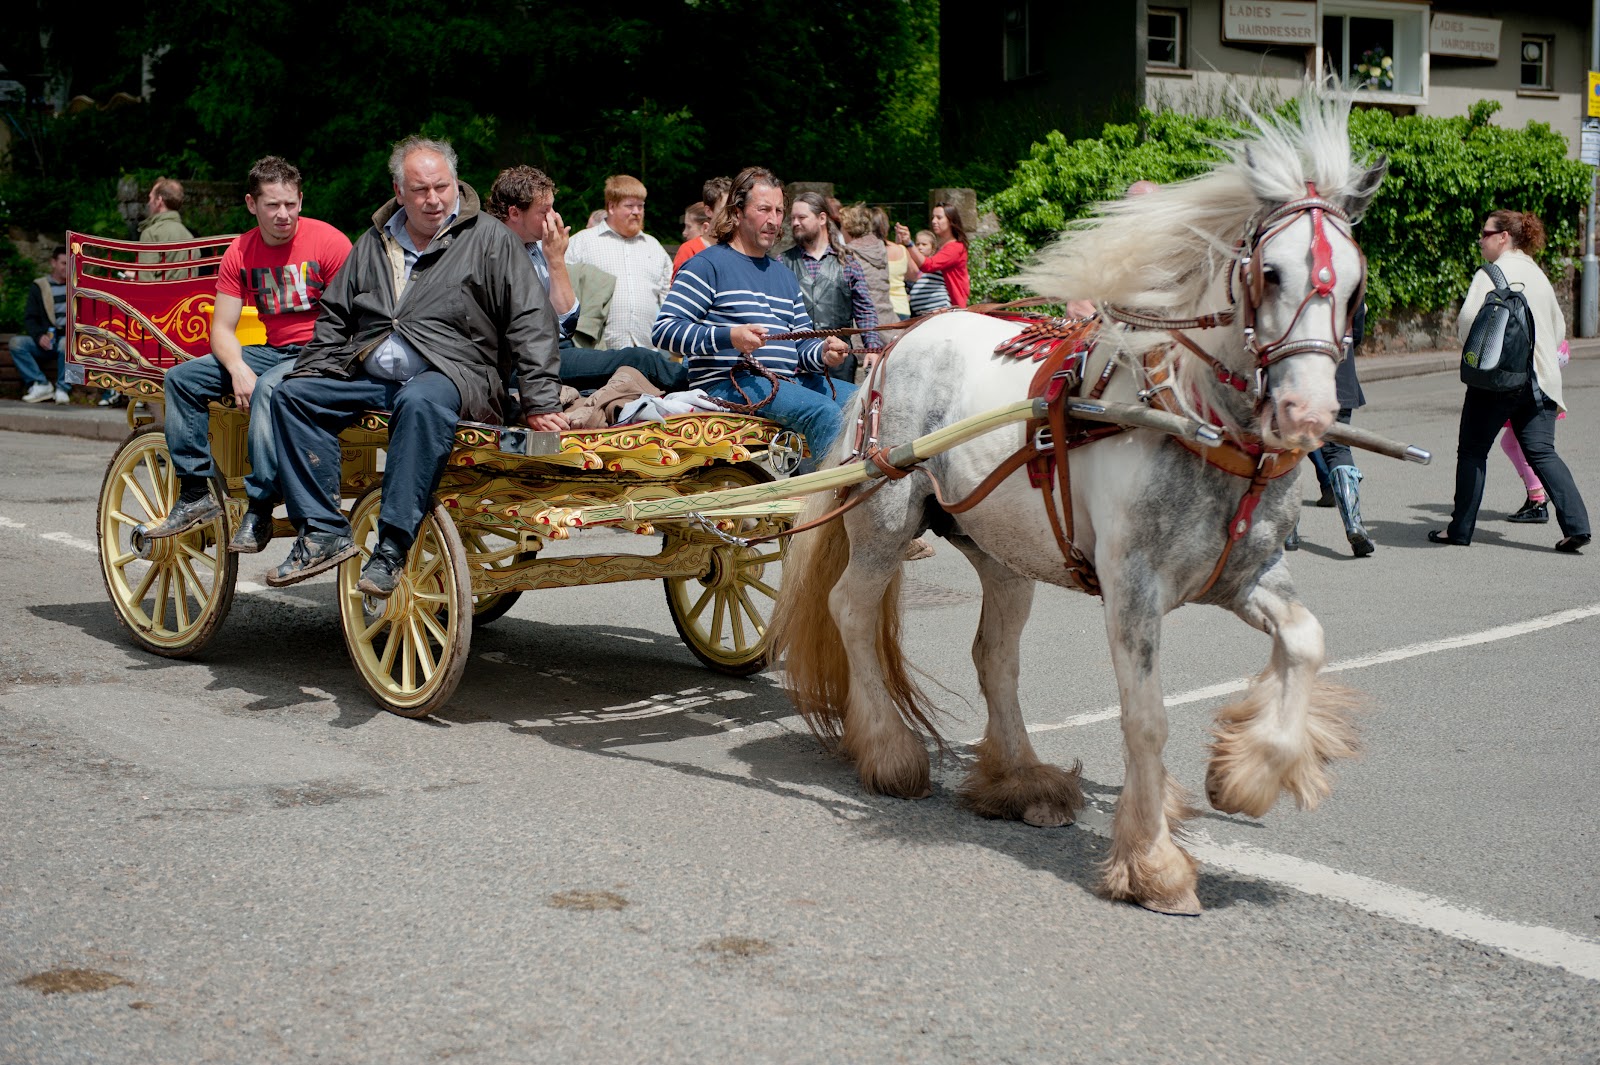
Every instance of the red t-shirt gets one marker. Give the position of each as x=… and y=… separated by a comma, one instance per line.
x=283, y=282
x=952, y=259
x=688, y=250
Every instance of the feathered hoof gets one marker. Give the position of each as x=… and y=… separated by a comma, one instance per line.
x=1045, y=796
x=901, y=776
x=1234, y=787
x=1185, y=905
x=1162, y=880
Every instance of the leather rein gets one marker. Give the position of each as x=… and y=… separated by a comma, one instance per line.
x=1062, y=346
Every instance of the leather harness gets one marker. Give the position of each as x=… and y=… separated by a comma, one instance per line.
x=1062, y=346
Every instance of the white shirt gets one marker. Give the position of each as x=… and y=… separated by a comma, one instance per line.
x=396, y=359
x=643, y=272
x=1549, y=326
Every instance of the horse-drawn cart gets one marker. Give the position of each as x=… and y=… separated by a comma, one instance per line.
x=480, y=547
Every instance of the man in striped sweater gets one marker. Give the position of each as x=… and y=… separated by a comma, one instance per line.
x=726, y=300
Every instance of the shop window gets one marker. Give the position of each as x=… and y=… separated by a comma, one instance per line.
x=1164, y=34
x=1536, y=63
x=1376, y=47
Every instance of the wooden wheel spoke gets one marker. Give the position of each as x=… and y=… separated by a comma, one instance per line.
x=699, y=607
x=144, y=585
x=720, y=605
x=200, y=555
x=431, y=623
x=432, y=597
x=419, y=640
x=371, y=631
x=736, y=617
x=133, y=486
x=180, y=596
x=123, y=559
x=429, y=567
x=408, y=657
x=391, y=647
x=163, y=590
x=761, y=586
x=750, y=608
x=122, y=518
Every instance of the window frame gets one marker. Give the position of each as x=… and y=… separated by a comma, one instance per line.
x=1546, y=64
x=1179, y=40
x=1416, y=16
x=1006, y=36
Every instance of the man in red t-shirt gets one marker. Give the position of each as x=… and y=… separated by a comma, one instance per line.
x=280, y=268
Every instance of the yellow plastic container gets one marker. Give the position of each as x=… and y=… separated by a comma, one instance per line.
x=250, y=330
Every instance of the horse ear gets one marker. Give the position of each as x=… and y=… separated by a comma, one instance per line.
x=1365, y=188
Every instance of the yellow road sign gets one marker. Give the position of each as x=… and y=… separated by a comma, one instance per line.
x=1594, y=94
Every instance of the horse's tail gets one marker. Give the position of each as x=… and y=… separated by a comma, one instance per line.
x=803, y=633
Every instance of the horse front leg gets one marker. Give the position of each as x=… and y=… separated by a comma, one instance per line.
x=1146, y=864
x=1290, y=725
x=1009, y=780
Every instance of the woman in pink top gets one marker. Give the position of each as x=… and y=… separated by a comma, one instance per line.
x=950, y=258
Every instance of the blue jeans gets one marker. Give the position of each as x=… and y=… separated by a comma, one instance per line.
x=25, y=356
x=587, y=369
x=805, y=404
x=310, y=412
x=190, y=389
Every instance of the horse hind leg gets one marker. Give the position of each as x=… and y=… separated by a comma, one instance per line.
x=885, y=712
x=1290, y=725
x=1009, y=780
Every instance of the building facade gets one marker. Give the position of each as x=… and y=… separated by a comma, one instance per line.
x=1012, y=71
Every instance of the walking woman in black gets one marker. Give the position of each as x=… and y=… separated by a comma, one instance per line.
x=1509, y=239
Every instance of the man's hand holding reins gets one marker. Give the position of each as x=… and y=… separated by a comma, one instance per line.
x=834, y=351
x=747, y=338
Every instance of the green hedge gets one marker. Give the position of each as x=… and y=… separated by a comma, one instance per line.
x=1445, y=175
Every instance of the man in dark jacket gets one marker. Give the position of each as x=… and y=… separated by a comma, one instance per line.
x=432, y=358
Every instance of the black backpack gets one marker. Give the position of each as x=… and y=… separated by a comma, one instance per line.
x=1498, y=355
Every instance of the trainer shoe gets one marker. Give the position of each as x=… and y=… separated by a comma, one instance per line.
x=37, y=392
x=253, y=534
x=63, y=396
x=382, y=571
x=1532, y=513
x=185, y=515
x=311, y=554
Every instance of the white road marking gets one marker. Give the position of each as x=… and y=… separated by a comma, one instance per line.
x=71, y=541
x=272, y=595
x=1415, y=650
x=1536, y=943
x=7, y=523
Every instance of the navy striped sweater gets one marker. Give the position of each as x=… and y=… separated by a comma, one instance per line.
x=721, y=288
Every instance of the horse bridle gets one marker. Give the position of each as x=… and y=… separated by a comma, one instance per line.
x=1247, y=266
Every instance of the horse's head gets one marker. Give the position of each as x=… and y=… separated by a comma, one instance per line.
x=1298, y=284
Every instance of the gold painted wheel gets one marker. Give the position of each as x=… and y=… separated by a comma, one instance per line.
x=171, y=594
x=722, y=614
x=409, y=649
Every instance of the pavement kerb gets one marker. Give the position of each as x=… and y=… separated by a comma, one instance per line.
x=111, y=423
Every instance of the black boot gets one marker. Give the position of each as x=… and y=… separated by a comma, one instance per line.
x=1347, y=492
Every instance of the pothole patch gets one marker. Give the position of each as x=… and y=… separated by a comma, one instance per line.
x=588, y=900
x=72, y=981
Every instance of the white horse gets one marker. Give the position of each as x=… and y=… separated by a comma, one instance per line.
x=1263, y=244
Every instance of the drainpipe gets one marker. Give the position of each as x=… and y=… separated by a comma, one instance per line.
x=1589, y=297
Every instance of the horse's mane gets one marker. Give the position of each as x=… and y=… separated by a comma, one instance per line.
x=1159, y=252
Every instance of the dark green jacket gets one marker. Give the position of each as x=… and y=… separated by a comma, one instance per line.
x=473, y=308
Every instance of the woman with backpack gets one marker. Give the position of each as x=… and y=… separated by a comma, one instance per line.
x=1508, y=241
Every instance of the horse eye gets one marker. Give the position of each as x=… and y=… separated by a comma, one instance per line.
x=1269, y=275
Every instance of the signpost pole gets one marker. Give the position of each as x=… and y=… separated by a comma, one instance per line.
x=1589, y=294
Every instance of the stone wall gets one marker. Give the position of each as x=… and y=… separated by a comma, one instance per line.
x=1405, y=331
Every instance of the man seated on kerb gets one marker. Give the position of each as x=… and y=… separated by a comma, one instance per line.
x=280, y=267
